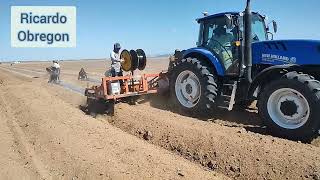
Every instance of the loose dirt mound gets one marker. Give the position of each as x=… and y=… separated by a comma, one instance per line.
x=233, y=151
x=58, y=141
x=229, y=145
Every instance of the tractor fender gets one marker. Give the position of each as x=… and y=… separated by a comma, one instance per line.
x=211, y=58
x=269, y=74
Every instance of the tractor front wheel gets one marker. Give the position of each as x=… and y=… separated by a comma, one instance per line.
x=193, y=88
x=290, y=106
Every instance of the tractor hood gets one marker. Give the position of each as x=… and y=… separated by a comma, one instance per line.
x=277, y=52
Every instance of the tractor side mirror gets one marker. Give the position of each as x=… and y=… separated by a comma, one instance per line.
x=275, y=26
x=270, y=36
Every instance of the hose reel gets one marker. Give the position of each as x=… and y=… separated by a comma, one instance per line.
x=133, y=59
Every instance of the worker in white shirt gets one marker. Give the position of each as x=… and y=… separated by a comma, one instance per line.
x=56, y=64
x=116, y=61
x=55, y=74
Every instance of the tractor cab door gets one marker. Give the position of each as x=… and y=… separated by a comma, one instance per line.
x=220, y=37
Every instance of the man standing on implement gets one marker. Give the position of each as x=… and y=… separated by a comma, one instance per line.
x=116, y=61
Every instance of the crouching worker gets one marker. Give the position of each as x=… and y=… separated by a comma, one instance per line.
x=116, y=61
x=82, y=75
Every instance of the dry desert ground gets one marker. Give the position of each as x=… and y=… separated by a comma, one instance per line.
x=45, y=135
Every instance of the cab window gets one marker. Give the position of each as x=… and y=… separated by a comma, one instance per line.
x=219, y=37
x=259, y=32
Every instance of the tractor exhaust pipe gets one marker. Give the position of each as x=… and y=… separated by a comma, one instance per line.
x=248, y=42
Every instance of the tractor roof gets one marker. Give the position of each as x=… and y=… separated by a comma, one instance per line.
x=216, y=15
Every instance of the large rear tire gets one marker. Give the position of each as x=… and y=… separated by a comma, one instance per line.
x=193, y=87
x=290, y=106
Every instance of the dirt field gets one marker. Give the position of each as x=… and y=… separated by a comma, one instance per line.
x=44, y=134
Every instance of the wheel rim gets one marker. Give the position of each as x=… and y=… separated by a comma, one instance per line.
x=188, y=89
x=288, y=108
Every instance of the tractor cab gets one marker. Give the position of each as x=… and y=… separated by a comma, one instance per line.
x=223, y=35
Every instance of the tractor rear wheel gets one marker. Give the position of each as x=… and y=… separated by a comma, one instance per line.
x=290, y=106
x=193, y=88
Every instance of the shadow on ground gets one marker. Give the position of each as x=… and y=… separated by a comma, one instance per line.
x=240, y=117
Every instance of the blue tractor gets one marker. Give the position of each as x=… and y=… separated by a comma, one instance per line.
x=236, y=61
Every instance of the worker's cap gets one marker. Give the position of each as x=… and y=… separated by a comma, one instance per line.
x=117, y=46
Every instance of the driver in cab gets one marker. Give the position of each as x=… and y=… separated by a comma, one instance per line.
x=220, y=42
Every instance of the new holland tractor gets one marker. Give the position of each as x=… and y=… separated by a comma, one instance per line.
x=236, y=61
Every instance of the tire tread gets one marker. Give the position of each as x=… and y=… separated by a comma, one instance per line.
x=208, y=79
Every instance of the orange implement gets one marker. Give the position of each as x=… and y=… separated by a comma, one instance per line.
x=129, y=86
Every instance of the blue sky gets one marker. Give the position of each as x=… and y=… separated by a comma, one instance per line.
x=158, y=27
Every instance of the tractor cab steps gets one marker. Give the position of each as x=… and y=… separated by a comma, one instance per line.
x=228, y=95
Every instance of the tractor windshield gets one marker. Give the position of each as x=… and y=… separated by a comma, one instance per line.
x=259, y=32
